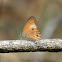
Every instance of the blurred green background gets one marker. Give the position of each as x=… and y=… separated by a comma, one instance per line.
x=13, y=16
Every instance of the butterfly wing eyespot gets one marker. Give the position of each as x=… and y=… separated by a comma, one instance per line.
x=37, y=35
x=30, y=29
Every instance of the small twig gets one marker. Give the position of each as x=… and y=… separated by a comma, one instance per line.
x=30, y=46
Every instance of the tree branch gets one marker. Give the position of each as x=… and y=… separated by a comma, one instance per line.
x=29, y=45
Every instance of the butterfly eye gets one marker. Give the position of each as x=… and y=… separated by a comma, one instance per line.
x=32, y=29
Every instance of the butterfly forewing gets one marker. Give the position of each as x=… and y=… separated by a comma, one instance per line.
x=30, y=29
x=31, y=23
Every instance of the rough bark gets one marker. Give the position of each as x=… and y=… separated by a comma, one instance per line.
x=51, y=45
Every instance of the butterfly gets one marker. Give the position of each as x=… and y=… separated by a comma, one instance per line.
x=30, y=29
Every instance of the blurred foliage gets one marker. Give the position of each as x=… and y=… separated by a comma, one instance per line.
x=14, y=14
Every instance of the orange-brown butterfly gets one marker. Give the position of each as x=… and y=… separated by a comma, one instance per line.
x=30, y=29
